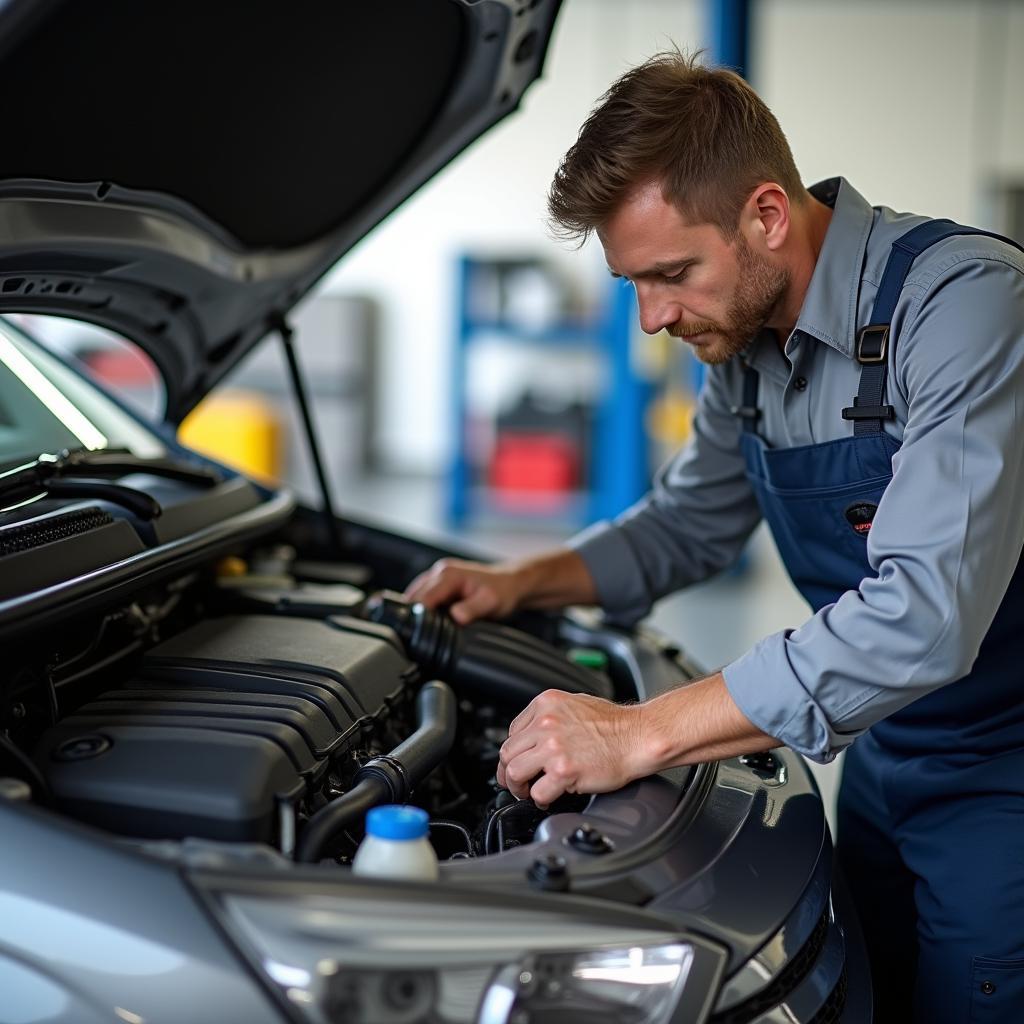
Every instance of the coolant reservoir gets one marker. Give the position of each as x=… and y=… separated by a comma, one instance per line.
x=396, y=845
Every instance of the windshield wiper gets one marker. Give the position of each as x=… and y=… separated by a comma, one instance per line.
x=118, y=461
x=74, y=474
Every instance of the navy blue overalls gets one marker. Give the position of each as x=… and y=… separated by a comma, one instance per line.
x=931, y=808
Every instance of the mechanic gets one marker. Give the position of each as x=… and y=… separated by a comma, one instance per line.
x=897, y=513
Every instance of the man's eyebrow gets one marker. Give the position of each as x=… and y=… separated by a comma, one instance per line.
x=659, y=268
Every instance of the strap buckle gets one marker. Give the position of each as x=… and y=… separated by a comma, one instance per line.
x=869, y=412
x=746, y=412
x=872, y=344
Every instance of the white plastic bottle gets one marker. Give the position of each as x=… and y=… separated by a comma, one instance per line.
x=396, y=845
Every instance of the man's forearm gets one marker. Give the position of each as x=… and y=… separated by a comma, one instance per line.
x=696, y=723
x=554, y=580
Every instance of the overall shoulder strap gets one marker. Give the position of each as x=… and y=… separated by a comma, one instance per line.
x=748, y=411
x=867, y=410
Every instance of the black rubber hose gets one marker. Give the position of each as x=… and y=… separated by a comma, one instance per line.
x=486, y=658
x=391, y=778
x=338, y=815
x=434, y=737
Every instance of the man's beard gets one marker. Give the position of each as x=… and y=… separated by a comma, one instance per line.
x=761, y=286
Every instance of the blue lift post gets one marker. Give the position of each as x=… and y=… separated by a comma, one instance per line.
x=459, y=472
x=619, y=460
x=729, y=34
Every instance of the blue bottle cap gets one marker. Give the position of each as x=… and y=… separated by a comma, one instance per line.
x=392, y=821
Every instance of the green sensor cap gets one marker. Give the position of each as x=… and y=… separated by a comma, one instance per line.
x=588, y=657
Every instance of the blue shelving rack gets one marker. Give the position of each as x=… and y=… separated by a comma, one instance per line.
x=618, y=472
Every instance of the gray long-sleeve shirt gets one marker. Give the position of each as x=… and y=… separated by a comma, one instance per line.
x=948, y=532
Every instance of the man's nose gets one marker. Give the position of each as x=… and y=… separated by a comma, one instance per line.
x=654, y=315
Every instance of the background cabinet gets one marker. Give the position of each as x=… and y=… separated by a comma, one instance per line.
x=549, y=409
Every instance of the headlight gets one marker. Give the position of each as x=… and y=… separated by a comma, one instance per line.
x=638, y=984
x=457, y=957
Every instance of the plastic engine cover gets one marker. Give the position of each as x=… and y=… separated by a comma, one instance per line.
x=223, y=722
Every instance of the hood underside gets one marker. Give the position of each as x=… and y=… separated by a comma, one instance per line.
x=184, y=173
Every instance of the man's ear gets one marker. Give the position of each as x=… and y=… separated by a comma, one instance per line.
x=765, y=218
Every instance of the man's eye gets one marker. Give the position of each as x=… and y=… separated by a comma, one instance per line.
x=675, y=278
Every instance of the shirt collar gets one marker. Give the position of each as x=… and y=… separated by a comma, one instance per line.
x=829, y=310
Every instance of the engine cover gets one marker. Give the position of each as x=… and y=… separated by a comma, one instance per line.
x=223, y=722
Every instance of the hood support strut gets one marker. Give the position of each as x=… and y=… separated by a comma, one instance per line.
x=284, y=329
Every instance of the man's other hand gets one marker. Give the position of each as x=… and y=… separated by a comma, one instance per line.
x=473, y=590
x=575, y=743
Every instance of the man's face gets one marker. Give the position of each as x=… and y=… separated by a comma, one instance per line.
x=715, y=295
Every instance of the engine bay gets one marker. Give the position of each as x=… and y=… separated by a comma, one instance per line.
x=235, y=716
x=250, y=707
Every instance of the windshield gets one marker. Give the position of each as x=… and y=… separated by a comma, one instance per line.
x=46, y=406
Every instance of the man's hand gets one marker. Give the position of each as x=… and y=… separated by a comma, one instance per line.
x=477, y=591
x=575, y=743
x=581, y=744
x=473, y=590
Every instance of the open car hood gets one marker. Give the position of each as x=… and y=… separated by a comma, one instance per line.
x=184, y=173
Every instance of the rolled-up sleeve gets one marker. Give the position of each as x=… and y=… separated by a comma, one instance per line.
x=694, y=521
x=946, y=537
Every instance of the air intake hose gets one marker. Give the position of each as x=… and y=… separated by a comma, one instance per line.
x=390, y=778
x=483, y=658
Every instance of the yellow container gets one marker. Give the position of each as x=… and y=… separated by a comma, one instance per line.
x=239, y=428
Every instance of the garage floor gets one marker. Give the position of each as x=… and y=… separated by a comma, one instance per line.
x=714, y=622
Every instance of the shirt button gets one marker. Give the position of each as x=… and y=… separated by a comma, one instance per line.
x=800, y=383
x=987, y=987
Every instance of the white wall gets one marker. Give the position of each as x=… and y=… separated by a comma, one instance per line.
x=918, y=103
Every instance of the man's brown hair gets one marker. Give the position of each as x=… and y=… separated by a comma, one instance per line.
x=702, y=132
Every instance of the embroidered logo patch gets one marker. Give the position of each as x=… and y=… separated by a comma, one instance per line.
x=860, y=515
